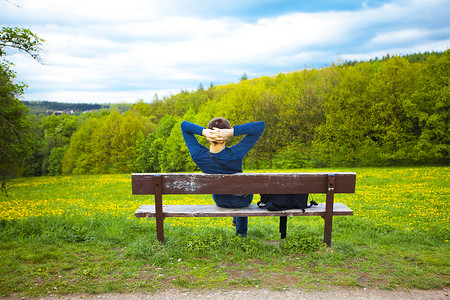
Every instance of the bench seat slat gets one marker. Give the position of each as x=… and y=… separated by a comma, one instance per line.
x=243, y=183
x=339, y=209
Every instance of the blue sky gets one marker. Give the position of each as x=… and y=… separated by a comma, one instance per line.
x=101, y=51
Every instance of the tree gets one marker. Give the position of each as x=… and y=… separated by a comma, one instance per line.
x=146, y=153
x=79, y=158
x=430, y=105
x=57, y=131
x=143, y=108
x=22, y=40
x=33, y=164
x=345, y=137
x=55, y=160
x=393, y=129
x=105, y=145
x=175, y=155
x=165, y=126
x=16, y=141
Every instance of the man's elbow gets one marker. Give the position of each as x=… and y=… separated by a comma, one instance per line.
x=262, y=125
x=184, y=125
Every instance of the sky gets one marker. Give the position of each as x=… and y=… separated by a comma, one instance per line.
x=108, y=51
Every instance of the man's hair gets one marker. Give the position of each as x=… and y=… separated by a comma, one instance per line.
x=220, y=123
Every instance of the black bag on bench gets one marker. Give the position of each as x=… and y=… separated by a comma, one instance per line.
x=276, y=202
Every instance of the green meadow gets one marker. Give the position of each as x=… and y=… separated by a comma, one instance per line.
x=78, y=234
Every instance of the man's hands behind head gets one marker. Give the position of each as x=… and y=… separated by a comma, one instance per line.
x=217, y=135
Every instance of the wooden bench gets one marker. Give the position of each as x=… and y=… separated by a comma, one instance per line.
x=159, y=184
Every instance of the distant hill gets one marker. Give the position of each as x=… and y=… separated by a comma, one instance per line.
x=48, y=107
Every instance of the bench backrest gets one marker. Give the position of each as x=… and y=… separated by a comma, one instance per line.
x=243, y=183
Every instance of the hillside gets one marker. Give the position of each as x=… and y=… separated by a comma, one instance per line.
x=48, y=107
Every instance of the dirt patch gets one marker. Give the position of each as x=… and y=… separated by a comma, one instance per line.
x=258, y=294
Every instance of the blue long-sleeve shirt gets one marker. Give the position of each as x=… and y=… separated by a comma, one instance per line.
x=230, y=156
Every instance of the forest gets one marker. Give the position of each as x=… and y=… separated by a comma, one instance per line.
x=392, y=111
x=48, y=107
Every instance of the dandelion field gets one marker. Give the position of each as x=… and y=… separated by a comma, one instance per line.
x=78, y=234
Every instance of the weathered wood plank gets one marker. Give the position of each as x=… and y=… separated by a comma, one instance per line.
x=243, y=183
x=339, y=209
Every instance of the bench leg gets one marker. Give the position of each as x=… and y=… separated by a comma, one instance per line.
x=160, y=229
x=329, y=210
x=327, y=230
x=283, y=226
x=157, y=183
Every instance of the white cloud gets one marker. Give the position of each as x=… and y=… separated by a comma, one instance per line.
x=405, y=35
x=136, y=48
x=419, y=47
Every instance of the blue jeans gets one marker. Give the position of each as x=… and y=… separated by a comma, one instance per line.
x=235, y=201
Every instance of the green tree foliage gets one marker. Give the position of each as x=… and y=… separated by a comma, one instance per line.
x=22, y=40
x=57, y=132
x=165, y=126
x=430, y=107
x=296, y=112
x=33, y=164
x=55, y=160
x=51, y=132
x=143, y=109
x=105, y=145
x=16, y=142
x=175, y=156
x=380, y=112
x=147, y=152
x=392, y=129
x=244, y=77
x=391, y=111
x=343, y=139
x=79, y=157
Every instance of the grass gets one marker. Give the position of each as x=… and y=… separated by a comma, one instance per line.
x=77, y=234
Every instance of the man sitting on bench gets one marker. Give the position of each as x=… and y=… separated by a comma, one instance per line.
x=219, y=159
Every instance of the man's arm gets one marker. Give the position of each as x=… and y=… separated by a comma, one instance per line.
x=189, y=130
x=252, y=131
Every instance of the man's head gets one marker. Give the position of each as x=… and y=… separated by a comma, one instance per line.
x=220, y=123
